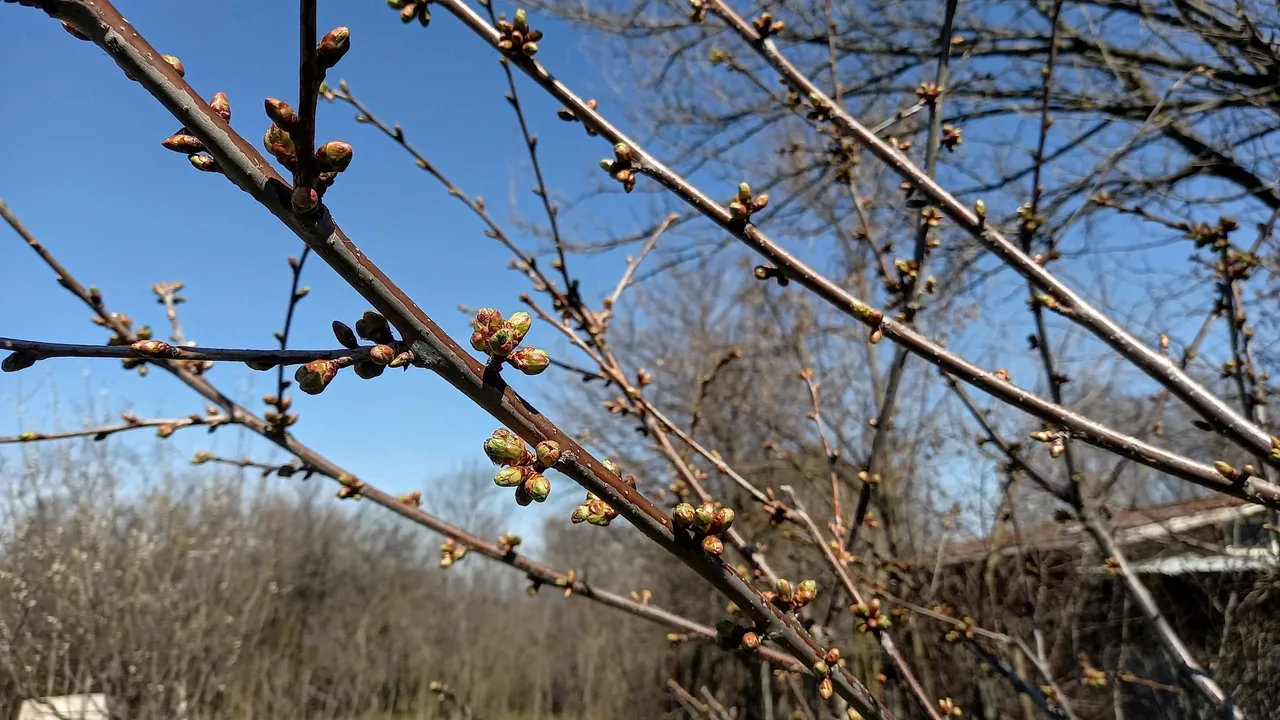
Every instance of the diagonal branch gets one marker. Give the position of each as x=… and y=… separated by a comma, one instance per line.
x=433, y=349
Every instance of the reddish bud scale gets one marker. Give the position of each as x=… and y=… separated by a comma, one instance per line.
x=315, y=376
x=183, y=143
x=332, y=47
x=712, y=545
x=281, y=113
x=530, y=361
x=221, y=105
x=382, y=354
x=334, y=156
x=305, y=199
x=152, y=348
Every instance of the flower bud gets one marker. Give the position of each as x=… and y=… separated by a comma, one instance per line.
x=183, y=143
x=825, y=688
x=221, y=105
x=538, y=486
x=806, y=592
x=599, y=513
x=1225, y=470
x=368, y=370
x=334, y=156
x=530, y=361
x=820, y=668
x=702, y=517
x=345, y=335
x=74, y=31
x=503, y=447
x=164, y=431
x=523, y=498
x=750, y=640
x=281, y=113
x=332, y=47
x=711, y=545
x=623, y=153
x=275, y=138
x=785, y=592
x=521, y=21
x=204, y=163
x=401, y=360
x=833, y=656
x=152, y=348
x=304, y=199
x=548, y=452
x=176, y=64
x=520, y=323
x=374, y=327
x=580, y=514
x=315, y=376
x=509, y=476
x=382, y=354
x=18, y=360
x=683, y=515
x=721, y=520
x=502, y=342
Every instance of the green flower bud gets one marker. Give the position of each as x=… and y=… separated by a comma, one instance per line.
x=785, y=592
x=538, y=486
x=503, y=447
x=580, y=514
x=683, y=515
x=509, y=476
x=548, y=452
x=334, y=156
x=702, y=517
x=530, y=361
x=332, y=47
x=520, y=323
x=712, y=545
x=281, y=113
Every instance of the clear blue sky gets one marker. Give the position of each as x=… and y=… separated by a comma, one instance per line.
x=83, y=167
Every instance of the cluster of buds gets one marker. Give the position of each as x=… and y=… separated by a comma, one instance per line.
x=765, y=25
x=411, y=10
x=841, y=553
x=707, y=521
x=278, y=417
x=962, y=629
x=411, y=499
x=509, y=541
x=315, y=376
x=187, y=144
x=949, y=708
x=1057, y=442
x=351, y=487
x=568, y=115
x=744, y=205
x=697, y=10
x=870, y=617
x=1093, y=677
x=642, y=597
x=331, y=158
x=821, y=109
x=451, y=552
x=790, y=597
x=830, y=660
x=567, y=582
x=1028, y=219
x=928, y=92
x=952, y=136
x=500, y=339
x=1216, y=236
x=622, y=167
x=595, y=511
x=521, y=469
x=516, y=36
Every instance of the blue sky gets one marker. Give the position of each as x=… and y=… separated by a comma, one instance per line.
x=84, y=169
